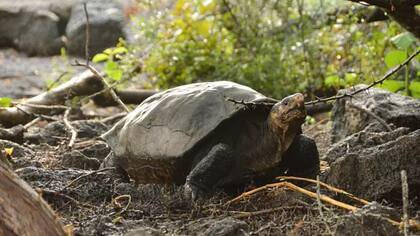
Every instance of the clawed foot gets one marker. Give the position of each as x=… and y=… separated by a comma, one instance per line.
x=193, y=192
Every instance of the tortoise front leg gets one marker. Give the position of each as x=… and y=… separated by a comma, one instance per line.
x=209, y=171
x=302, y=158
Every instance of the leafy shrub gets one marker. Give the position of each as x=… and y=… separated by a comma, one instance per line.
x=276, y=47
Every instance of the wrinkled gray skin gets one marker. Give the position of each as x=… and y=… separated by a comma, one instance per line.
x=192, y=135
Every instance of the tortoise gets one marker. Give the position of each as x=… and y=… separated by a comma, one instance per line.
x=212, y=135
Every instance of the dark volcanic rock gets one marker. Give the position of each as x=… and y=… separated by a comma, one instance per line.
x=369, y=137
x=369, y=164
x=402, y=111
x=32, y=27
x=14, y=134
x=370, y=220
x=106, y=23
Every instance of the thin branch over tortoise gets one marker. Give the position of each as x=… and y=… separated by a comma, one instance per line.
x=192, y=135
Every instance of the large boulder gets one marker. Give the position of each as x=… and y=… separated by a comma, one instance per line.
x=402, y=111
x=31, y=27
x=106, y=23
x=368, y=163
x=38, y=27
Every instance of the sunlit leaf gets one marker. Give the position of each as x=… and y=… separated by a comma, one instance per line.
x=203, y=27
x=395, y=57
x=332, y=81
x=119, y=50
x=113, y=71
x=403, y=41
x=100, y=57
x=5, y=102
x=415, y=89
x=8, y=151
x=392, y=85
x=108, y=51
x=351, y=78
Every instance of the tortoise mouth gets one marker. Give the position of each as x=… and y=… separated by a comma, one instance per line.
x=296, y=113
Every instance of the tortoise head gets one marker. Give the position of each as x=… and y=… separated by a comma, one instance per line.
x=286, y=118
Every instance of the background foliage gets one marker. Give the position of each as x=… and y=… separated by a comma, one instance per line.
x=276, y=47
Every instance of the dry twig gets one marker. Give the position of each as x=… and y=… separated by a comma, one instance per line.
x=41, y=106
x=87, y=33
x=297, y=189
x=92, y=69
x=70, y=127
x=34, y=121
x=86, y=175
x=111, y=91
x=327, y=186
x=404, y=185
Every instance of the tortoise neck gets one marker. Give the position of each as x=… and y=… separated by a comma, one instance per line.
x=274, y=144
x=282, y=135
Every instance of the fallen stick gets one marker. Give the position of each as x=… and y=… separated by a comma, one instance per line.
x=297, y=189
x=83, y=84
x=327, y=186
x=133, y=96
x=412, y=224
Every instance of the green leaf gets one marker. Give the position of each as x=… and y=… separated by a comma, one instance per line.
x=351, y=78
x=100, y=57
x=403, y=41
x=395, y=57
x=113, y=71
x=415, y=89
x=5, y=102
x=332, y=81
x=392, y=85
x=115, y=75
x=108, y=51
x=119, y=50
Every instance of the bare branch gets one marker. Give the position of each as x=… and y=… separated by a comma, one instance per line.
x=111, y=91
x=87, y=33
x=385, y=77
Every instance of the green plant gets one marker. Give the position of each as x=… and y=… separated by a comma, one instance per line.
x=5, y=102
x=404, y=44
x=111, y=57
x=276, y=47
